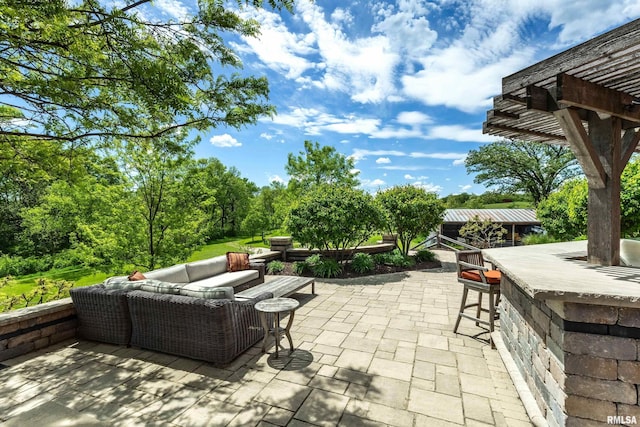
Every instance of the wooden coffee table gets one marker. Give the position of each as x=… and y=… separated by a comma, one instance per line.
x=276, y=306
x=282, y=286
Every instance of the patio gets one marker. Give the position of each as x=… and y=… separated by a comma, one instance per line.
x=373, y=351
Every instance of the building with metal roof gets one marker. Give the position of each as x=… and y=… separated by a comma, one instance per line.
x=517, y=222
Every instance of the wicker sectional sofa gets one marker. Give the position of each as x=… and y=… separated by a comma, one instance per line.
x=187, y=310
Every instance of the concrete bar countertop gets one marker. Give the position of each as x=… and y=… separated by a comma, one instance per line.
x=556, y=271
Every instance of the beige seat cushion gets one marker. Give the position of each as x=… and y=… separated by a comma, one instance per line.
x=228, y=279
x=206, y=268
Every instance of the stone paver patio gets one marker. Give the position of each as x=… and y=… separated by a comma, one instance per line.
x=370, y=352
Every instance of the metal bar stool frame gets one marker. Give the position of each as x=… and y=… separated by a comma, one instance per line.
x=473, y=263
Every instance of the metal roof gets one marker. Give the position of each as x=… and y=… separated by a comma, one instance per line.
x=608, y=64
x=503, y=216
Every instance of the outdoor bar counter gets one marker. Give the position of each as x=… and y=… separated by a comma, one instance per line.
x=573, y=331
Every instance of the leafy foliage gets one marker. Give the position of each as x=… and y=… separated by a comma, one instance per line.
x=424, y=255
x=300, y=267
x=326, y=268
x=331, y=217
x=563, y=214
x=44, y=291
x=362, y=263
x=482, y=233
x=395, y=258
x=275, y=267
x=537, y=169
x=320, y=166
x=409, y=212
x=79, y=71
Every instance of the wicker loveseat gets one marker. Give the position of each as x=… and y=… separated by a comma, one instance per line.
x=175, y=316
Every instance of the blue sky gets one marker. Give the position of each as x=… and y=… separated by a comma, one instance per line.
x=401, y=87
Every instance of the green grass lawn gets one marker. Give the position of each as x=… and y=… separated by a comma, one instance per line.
x=81, y=276
x=84, y=276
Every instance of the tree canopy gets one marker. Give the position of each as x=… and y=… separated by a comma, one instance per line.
x=536, y=169
x=331, y=217
x=564, y=213
x=409, y=212
x=79, y=71
x=318, y=165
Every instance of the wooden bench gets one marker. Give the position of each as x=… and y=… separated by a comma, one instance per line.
x=282, y=286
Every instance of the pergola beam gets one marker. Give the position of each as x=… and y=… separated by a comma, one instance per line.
x=576, y=92
x=571, y=124
x=603, y=46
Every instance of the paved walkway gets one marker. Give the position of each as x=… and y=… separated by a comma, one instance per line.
x=370, y=352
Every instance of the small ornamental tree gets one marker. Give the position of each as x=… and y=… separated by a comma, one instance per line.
x=483, y=234
x=410, y=211
x=334, y=218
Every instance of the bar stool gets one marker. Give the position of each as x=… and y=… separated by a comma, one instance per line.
x=476, y=277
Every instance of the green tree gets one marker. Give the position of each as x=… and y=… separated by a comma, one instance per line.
x=409, y=212
x=222, y=194
x=483, y=233
x=630, y=199
x=83, y=71
x=563, y=214
x=171, y=221
x=337, y=218
x=318, y=165
x=257, y=220
x=514, y=166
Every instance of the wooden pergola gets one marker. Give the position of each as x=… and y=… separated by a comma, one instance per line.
x=588, y=98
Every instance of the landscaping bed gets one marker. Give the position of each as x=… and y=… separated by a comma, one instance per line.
x=347, y=272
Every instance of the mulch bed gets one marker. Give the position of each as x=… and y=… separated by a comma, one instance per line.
x=347, y=273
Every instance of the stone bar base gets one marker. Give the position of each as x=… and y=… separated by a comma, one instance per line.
x=32, y=328
x=580, y=361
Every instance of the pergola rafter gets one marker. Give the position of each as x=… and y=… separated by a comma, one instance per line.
x=589, y=98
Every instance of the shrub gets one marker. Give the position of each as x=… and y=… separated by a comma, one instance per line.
x=300, y=267
x=395, y=258
x=383, y=258
x=398, y=259
x=424, y=255
x=362, y=263
x=326, y=267
x=275, y=267
x=313, y=260
x=331, y=217
x=410, y=211
x=537, y=239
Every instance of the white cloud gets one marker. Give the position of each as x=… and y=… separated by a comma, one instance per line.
x=464, y=188
x=316, y=122
x=173, y=8
x=372, y=183
x=361, y=154
x=224, y=141
x=428, y=186
x=413, y=118
x=277, y=178
x=460, y=161
x=409, y=177
x=459, y=133
x=266, y=136
x=403, y=168
x=382, y=160
x=278, y=48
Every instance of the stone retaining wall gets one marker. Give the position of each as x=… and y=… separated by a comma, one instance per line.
x=581, y=361
x=32, y=328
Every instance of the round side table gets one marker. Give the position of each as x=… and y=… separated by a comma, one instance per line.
x=276, y=306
